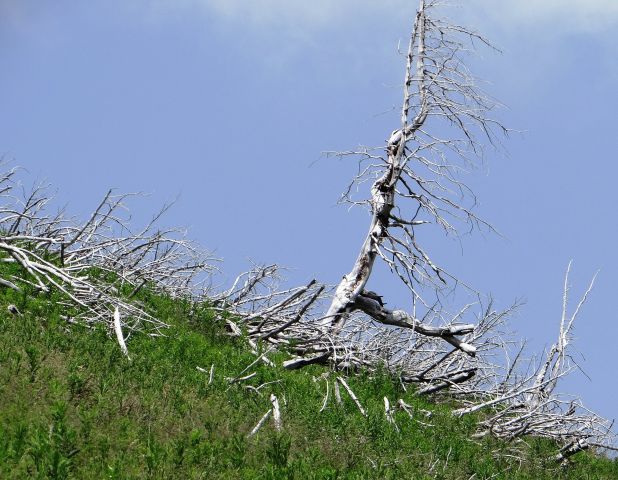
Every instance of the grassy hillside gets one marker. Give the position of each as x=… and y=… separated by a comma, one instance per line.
x=72, y=406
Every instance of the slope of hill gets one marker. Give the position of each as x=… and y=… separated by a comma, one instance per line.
x=73, y=406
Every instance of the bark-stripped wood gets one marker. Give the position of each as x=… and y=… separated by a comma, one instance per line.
x=418, y=173
x=415, y=185
x=276, y=412
x=92, y=263
x=119, y=334
x=352, y=396
x=260, y=423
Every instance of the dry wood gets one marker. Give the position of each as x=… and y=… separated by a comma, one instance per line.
x=416, y=184
x=389, y=412
x=91, y=263
x=405, y=407
x=262, y=421
x=276, y=412
x=233, y=380
x=325, y=396
x=352, y=395
x=119, y=334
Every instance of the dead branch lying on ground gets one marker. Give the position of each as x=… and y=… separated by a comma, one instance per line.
x=99, y=266
x=527, y=404
x=516, y=398
x=416, y=181
x=415, y=349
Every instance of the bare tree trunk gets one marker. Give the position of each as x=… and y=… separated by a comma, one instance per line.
x=383, y=191
x=415, y=181
x=419, y=172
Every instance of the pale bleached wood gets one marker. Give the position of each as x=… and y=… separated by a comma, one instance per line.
x=119, y=334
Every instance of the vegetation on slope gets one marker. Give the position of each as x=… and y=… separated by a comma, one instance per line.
x=72, y=406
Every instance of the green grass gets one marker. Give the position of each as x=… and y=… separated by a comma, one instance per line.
x=72, y=406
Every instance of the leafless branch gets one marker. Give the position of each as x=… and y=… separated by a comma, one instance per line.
x=97, y=266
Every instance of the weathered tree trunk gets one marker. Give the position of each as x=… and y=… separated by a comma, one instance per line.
x=383, y=190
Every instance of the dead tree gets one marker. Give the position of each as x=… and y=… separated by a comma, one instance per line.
x=445, y=123
x=98, y=266
x=444, y=116
x=525, y=402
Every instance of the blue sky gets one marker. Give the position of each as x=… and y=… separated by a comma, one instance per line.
x=229, y=104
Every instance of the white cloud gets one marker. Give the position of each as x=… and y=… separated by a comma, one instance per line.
x=509, y=23
x=303, y=14
x=559, y=15
x=266, y=11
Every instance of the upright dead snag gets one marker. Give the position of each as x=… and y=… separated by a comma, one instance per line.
x=415, y=181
